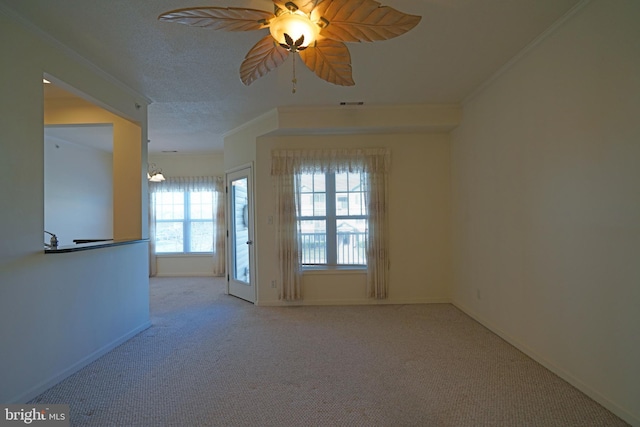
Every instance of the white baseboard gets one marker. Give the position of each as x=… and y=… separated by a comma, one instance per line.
x=562, y=373
x=47, y=384
x=359, y=301
x=191, y=274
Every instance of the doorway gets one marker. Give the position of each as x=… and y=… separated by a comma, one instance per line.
x=241, y=250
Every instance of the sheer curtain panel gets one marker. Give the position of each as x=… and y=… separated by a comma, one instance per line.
x=153, y=262
x=288, y=245
x=219, y=228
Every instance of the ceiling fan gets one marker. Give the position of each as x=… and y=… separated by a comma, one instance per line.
x=314, y=29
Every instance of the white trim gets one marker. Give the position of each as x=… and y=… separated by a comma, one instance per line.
x=526, y=50
x=190, y=274
x=355, y=301
x=371, y=107
x=55, y=379
x=271, y=114
x=184, y=254
x=340, y=270
x=246, y=170
x=238, y=168
x=550, y=365
x=91, y=99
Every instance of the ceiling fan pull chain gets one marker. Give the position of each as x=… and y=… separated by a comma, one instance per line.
x=294, y=80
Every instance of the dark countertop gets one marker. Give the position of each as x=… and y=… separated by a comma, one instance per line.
x=93, y=245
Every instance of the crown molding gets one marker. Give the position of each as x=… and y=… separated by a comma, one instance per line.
x=526, y=50
x=268, y=119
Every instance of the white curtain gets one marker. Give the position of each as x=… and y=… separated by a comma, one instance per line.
x=288, y=245
x=376, y=195
x=286, y=167
x=193, y=184
x=219, y=228
x=153, y=259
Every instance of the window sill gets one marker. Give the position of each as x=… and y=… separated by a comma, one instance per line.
x=183, y=255
x=342, y=270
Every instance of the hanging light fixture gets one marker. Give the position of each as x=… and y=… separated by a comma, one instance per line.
x=154, y=174
x=292, y=29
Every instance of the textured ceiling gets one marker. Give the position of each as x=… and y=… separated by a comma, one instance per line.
x=191, y=74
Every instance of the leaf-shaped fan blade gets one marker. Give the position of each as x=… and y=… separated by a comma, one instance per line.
x=262, y=58
x=363, y=20
x=330, y=60
x=305, y=6
x=219, y=18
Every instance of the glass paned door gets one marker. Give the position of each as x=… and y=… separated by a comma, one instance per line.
x=240, y=207
x=241, y=249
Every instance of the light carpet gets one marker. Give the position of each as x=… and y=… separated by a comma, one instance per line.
x=213, y=360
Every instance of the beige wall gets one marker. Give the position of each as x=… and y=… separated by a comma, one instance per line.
x=184, y=165
x=420, y=193
x=419, y=221
x=127, y=198
x=240, y=144
x=546, y=207
x=429, y=215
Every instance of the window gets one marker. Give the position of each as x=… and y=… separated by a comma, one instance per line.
x=333, y=219
x=184, y=222
x=288, y=168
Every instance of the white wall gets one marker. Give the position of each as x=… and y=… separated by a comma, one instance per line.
x=60, y=312
x=187, y=165
x=57, y=311
x=78, y=190
x=546, y=206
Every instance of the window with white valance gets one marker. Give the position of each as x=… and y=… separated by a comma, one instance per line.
x=371, y=167
x=186, y=216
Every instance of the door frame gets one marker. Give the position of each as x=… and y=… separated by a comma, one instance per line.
x=252, y=295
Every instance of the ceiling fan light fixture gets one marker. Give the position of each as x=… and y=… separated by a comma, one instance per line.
x=154, y=174
x=315, y=29
x=295, y=25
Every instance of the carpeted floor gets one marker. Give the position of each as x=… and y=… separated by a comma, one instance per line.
x=213, y=360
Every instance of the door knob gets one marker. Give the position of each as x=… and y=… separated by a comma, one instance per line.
x=249, y=242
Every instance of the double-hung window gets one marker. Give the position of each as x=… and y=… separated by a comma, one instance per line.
x=184, y=221
x=332, y=219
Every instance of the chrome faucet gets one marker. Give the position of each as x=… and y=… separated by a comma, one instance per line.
x=53, y=243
